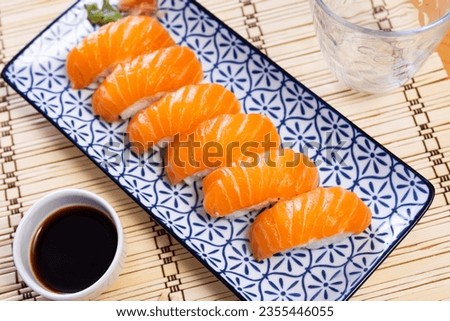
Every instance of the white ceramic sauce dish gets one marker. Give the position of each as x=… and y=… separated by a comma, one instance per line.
x=34, y=218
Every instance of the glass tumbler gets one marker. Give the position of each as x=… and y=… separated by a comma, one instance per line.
x=376, y=46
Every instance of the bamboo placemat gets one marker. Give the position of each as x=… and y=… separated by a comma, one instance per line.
x=413, y=122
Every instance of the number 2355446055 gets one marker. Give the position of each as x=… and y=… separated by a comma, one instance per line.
x=301, y=311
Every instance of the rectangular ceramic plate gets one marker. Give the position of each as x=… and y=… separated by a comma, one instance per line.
x=346, y=156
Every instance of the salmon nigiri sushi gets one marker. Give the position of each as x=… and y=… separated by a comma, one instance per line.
x=312, y=219
x=117, y=42
x=145, y=79
x=146, y=7
x=279, y=174
x=219, y=142
x=179, y=112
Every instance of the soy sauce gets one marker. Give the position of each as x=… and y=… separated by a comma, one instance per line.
x=73, y=248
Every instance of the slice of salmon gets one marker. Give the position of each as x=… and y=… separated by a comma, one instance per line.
x=179, y=112
x=145, y=79
x=310, y=219
x=277, y=175
x=117, y=42
x=220, y=142
x=146, y=7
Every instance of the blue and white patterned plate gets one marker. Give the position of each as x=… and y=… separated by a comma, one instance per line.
x=346, y=156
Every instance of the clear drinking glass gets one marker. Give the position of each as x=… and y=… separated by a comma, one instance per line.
x=376, y=46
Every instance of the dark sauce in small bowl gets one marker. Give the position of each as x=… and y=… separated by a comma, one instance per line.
x=73, y=248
